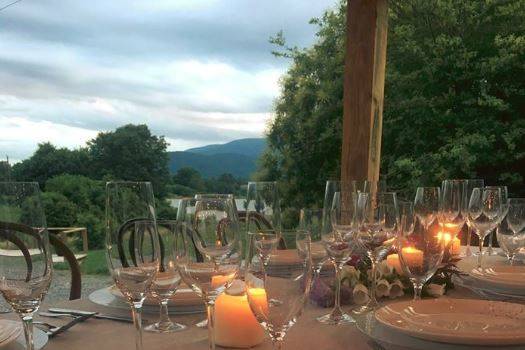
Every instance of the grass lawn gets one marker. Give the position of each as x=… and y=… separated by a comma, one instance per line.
x=93, y=264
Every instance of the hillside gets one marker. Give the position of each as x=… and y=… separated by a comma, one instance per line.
x=238, y=158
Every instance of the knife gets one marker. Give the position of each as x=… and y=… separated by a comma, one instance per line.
x=94, y=314
x=70, y=324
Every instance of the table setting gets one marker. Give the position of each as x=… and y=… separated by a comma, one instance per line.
x=369, y=270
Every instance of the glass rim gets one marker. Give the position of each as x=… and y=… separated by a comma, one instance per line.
x=261, y=182
x=19, y=182
x=127, y=182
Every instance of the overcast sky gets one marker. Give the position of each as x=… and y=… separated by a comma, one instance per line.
x=196, y=71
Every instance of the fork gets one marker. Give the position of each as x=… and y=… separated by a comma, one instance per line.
x=54, y=330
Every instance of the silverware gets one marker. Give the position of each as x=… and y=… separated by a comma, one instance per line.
x=70, y=312
x=54, y=330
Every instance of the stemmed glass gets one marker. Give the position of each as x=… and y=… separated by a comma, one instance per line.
x=168, y=279
x=420, y=251
x=277, y=295
x=311, y=220
x=378, y=217
x=511, y=232
x=210, y=258
x=339, y=244
x=470, y=185
x=426, y=204
x=25, y=257
x=452, y=210
x=503, y=213
x=483, y=213
x=132, y=243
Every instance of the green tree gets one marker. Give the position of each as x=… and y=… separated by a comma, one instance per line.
x=5, y=171
x=189, y=177
x=60, y=211
x=49, y=161
x=454, y=99
x=131, y=152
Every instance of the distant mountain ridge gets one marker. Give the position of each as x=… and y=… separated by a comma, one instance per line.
x=238, y=157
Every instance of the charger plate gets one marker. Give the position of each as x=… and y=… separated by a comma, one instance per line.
x=457, y=321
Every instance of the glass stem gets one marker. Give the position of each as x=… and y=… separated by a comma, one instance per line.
x=210, y=307
x=480, y=256
x=277, y=344
x=164, y=319
x=469, y=238
x=418, y=288
x=373, y=299
x=337, y=312
x=490, y=243
x=27, y=320
x=137, y=321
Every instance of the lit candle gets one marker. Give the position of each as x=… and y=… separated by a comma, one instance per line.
x=393, y=262
x=455, y=247
x=412, y=257
x=235, y=325
x=259, y=300
x=221, y=280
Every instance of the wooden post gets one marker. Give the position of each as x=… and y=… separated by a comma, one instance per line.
x=364, y=81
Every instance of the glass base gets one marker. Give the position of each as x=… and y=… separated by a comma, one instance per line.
x=202, y=324
x=336, y=320
x=170, y=327
x=371, y=306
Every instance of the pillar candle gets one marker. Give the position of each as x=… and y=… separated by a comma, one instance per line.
x=412, y=257
x=393, y=262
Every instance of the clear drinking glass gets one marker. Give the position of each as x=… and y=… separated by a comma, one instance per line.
x=211, y=257
x=339, y=245
x=168, y=278
x=25, y=255
x=132, y=243
x=511, y=230
x=263, y=210
x=452, y=210
x=484, y=213
x=377, y=233
x=503, y=213
x=420, y=252
x=277, y=295
x=469, y=187
x=426, y=204
x=311, y=220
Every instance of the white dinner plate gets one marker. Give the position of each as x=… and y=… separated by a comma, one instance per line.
x=510, y=278
x=9, y=331
x=457, y=321
x=105, y=297
x=183, y=297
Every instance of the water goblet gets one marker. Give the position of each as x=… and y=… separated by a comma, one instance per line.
x=426, y=204
x=469, y=187
x=511, y=230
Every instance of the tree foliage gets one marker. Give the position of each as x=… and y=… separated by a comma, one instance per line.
x=454, y=99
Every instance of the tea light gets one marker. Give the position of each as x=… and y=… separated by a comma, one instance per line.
x=455, y=247
x=235, y=324
x=393, y=262
x=221, y=280
x=412, y=256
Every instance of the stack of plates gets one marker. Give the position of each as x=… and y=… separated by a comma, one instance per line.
x=9, y=331
x=185, y=301
x=460, y=323
x=500, y=282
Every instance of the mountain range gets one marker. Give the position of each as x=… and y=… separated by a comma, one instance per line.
x=238, y=157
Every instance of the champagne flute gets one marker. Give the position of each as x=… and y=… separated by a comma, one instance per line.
x=277, y=296
x=511, y=231
x=483, y=212
x=132, y=243
x=25, y=257
x=469, y=187
x=420, y=251
x=426, y=204
x=452, y=210
x=168, y=278
x=377, y=233
x=503, y=213
x=211, y=257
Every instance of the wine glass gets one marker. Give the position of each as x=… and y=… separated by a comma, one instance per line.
x=339, y=245
x=168, y=278
x=469, y=187
x=452, y=210
x=406, y=216
x=263, y=210
x=503, y=213
x=311, y=220
x=277, y=295
x=132, y=243
x=483, y=213
x=211, y=256
x=378, y=217
x=25, y=257
x=426, y=204
x=511, y=231
x=420, y=251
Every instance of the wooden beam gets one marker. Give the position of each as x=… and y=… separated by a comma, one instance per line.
x=364, y=81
